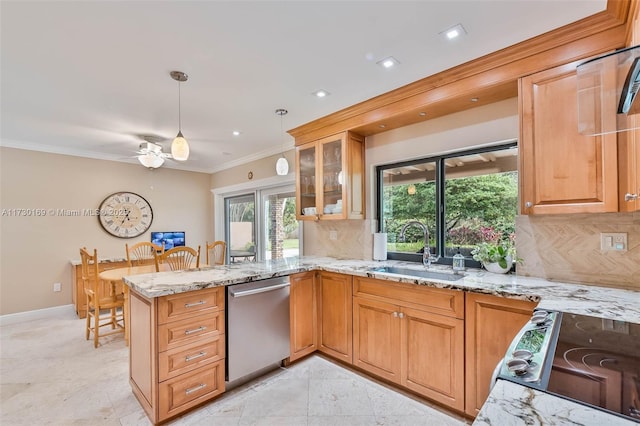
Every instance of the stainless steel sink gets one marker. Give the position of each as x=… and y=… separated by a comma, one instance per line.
x=417, y=273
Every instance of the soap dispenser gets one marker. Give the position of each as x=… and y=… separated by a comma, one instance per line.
x=458, y=262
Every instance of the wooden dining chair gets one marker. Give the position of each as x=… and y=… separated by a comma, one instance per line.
x=179, y=258
x=98, y=300
x=142, y=253
x=218, y=250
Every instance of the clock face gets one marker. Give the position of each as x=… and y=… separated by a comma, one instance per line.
x=125, y=215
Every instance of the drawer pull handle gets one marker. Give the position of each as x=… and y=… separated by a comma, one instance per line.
x=191, y=305
x=195, y=389
x=195, y=330
x=192, y=357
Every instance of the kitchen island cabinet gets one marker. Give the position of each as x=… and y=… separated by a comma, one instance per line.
x=303, y=308
x=562, y=171
x=335, y=315
x=177, y=350
x=493, y=303
x=411, y=335
x=491, y=324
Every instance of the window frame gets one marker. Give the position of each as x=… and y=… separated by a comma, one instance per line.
x=440, y=199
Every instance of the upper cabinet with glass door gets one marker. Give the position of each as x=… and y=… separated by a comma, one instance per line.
x=330, y=178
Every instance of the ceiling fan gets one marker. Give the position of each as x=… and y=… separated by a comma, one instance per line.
x=151, y=156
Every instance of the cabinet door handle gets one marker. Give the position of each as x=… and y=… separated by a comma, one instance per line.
x=191, y=305
x=395, y=314
x=195, y=388
x=196, y=356
x=195, y=330
x=528, y=204
x=401, y=315
x=630, y=197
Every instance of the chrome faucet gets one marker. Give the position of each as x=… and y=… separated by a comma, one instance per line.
x=427, y=258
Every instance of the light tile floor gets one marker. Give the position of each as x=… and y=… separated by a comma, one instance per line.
x=50, y=375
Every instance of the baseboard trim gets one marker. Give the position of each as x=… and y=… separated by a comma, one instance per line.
x=37, y=314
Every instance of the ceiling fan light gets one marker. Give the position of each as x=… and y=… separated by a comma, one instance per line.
x=150, y=160
x=180, y=148
x=282, y=166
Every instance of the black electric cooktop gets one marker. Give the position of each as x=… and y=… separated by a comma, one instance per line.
x=590, y=360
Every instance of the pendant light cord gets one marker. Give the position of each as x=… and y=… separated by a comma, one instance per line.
x=179, y=110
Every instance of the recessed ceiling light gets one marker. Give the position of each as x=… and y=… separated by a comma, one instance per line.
x=321, y=93
x=389, y=62
x=236, y=133
x=453, y=32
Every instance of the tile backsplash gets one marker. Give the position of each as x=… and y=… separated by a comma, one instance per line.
x=556, y=247
x=567, y=248
x=354, y=239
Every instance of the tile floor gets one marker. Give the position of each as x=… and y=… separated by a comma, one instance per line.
x=50, y=375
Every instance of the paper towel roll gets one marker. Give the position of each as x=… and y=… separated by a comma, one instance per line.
x=380, y=246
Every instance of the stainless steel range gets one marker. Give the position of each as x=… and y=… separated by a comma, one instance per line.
x=590, y=360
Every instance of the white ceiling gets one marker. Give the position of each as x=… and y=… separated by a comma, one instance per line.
x=87, y=78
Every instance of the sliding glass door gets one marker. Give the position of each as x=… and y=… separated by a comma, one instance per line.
x=262, y=225
x=240, y=227
x=281, y=230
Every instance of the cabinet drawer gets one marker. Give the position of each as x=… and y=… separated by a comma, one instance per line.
x=436, y=300
x=185, y=358
x=188, y=390
x=183, y=305
x=178, y=333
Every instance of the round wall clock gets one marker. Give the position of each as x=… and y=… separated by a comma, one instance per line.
x=125, y=214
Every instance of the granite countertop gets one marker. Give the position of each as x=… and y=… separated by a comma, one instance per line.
x=512, y=404
x=508, y=403
x=592, y=300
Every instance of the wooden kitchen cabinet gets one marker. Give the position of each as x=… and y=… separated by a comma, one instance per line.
x=629, y=164
x=491, y=323
x=303, y=306
x=330, y=178
x=562, y=171
x=397, y=336
x=176, y=351
x=78, y=296
x=376, y=337
x=335, y=315
x=629, y=147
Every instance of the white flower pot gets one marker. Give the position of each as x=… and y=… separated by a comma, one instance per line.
x=496, y=268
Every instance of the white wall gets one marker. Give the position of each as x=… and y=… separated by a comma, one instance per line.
x=36, y=251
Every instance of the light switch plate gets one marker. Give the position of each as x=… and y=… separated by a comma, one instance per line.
x=613, y=241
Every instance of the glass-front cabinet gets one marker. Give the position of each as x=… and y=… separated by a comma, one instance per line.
x=330, y=178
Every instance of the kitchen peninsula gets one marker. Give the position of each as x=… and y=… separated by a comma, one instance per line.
x=615, y=304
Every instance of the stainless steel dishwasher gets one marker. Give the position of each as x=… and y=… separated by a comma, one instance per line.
x=257, y=328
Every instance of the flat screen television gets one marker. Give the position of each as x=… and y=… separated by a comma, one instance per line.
x=169, y=239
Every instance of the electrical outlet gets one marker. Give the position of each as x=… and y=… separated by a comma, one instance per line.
x=613, y=241
x=57, y=287
x=333, y=235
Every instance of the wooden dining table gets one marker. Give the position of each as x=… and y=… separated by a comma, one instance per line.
x=114, y=276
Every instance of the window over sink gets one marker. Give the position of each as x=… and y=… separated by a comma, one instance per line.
x=462, y=199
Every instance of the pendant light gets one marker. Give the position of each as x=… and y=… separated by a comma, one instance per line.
x=282, y=165
x=179, y=146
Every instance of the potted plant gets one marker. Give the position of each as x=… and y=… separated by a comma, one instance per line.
x=497, y=254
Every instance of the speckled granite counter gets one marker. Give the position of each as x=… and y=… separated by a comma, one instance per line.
x=580, y=299
x=508, y=403
x=512, y=404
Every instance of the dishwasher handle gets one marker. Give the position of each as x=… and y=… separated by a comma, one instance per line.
x=254, y=288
